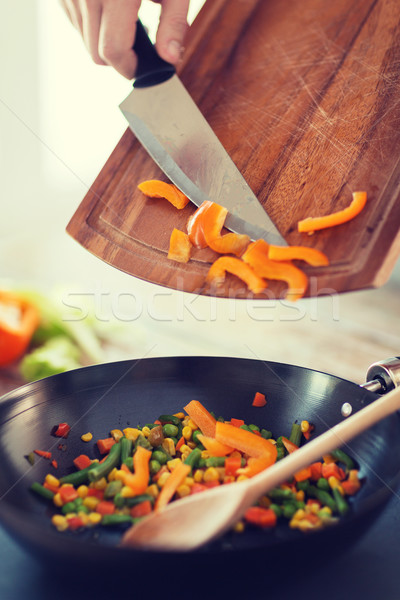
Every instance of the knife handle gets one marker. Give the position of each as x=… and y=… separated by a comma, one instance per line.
x=151, y=68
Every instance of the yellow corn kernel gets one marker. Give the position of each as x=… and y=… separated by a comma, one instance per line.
x=116, y=434
x=172, y=464
x=84, y=516
x=241, y=478
x=101, y=484
x=239, y=527
x=192, y=425
x=353, y=475
x=119, y=475
x=303, y=524
x=112, y=474
x=192, y=445
x=65, y=485
x=187, y=432
x=299, y=514
x=198, y=475
x=205, y=454
x=91, y=502
x=188, y=481
x=146, y=431
x=131, y=433
x=184, y=456
x=185, y=420
x=57, y=500
x=60, y=522
x=127, y=492
x=221, y=473
x=169, y=446
x=82, y=491
x=87, y=437
x=300, y=495
x=265, y=502
x=313, y=508
x=94, y=518
x=335, y=483
x=325, y=511
x=183, y=490
x=185, y=449
x=163, y=478
x=304, y=426
x=51, y=480
x=211, y=474
x=179, y=415
x=153, y=490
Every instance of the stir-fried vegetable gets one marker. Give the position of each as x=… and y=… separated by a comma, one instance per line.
x=145, y=468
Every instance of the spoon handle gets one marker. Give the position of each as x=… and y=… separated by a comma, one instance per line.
x=333, y=438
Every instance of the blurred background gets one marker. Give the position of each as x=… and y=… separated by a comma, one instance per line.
x=59, y=122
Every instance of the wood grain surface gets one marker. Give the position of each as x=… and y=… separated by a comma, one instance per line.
x=305, y=98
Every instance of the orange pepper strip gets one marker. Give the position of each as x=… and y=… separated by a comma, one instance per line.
x=214, y=447
x=311, y=224
x=312, y=256
x=195, y=226
x=139, y=480
x=213, y=221
x=179, y=246
x=245, y=441
x=217, y=272
x=256, y=255
x=203, y=419
x=254, y=466
x=15, y=337
x=160, y=189
x=169, y=488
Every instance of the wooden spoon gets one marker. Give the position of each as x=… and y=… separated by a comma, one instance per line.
x=190, y=522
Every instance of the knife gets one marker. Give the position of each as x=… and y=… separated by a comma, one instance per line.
x=170, y=126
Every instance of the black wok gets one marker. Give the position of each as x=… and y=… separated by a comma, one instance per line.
x=128, y=393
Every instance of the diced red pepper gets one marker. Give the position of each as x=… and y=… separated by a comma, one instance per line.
x=198, y=487
x=141, y=510
x=350, y=487
x=303, y=474
x=332, y=469
x=105, y=507
x=232, y=464
x=68, y=493
x=237, y=422
x=62, y=430
x=263, y=517
x=82, y=461
x=259, y=399
x=316, y=471
x=105, y=445
x=97, y=493
x=74, y=523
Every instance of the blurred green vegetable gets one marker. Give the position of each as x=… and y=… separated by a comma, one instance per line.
x=56, y=355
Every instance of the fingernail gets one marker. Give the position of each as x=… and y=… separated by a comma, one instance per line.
x=174, y=50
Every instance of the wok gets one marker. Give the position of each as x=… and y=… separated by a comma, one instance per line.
x=128, y=393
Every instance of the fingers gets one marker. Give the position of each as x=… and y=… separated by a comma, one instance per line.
x=117, y=35
x=72, y=9
x=91, y=18
x=172, y=29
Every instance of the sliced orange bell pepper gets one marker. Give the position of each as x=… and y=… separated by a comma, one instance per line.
x=235, y=266
x=203, y=419
x=245, y=441
x=139, y=480
x=169, y=488
x=303, y=474
x=195, y=226
x=312, y=256
x=255, y=465
x=256, y=255
x=214, y=447
x=160, y=189
x=311, y=224
x=19, y=320
x=213, y=220
x=290, y=446
x=179, y=246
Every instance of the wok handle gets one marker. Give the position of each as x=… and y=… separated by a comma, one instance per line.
x=383, y=376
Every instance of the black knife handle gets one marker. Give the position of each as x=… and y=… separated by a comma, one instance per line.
x=151, y=68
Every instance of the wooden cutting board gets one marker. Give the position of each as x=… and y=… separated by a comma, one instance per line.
x=305, y=97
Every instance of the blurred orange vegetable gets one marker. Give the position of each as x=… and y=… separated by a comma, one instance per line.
x=245, y=441
x=203, y=419
x=18, y=321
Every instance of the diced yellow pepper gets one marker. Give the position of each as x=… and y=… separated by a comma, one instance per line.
x=116, y=434
x=131, y=433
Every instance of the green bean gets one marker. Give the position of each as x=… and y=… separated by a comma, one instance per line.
x=323, y=497
x=288, y=509
x=42, y=491
x=277, y=509
x=164, y=419
x=323, y=484
x=295, y=434
x=303, y=485
x=341, y=503
x=68, y=507
x=130, y=502
x=116, y=519
x=254, y=427
x=344, y=458
x=281, y=452
x=194, y=436
x=193, y=458
x=79, y=477
x=112, y=461
x=245, y=427
x=126, y=448
x=279, y=494
x=215, y=461
x=113, y=488
x=267, y=435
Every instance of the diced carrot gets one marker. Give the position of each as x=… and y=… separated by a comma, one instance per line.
x=105, y=507
x=213, y=446
x=316, y=471
x=311, y=224
x=179, y=246
x=259, y=400
x=200, y=415
x=256, y=256
x=74, y=523
x=245, y=441
x=43, y=453
x=290, y=446
x=68, y=493
x=229, y=264
x=332, y=469
x=160, y=189
x=303, y=474
x=54, y=464
x=263, y=517
x=350, y=487
x=312, y=256
x=82, y=461
x=180, y=443
x=96, y=493
x=105, y=445
x=232, y=464
x=237, y=422
x=169, y=488
x=141, y=510
x=139, y=481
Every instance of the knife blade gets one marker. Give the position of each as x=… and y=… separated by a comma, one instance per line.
x=170, y=126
